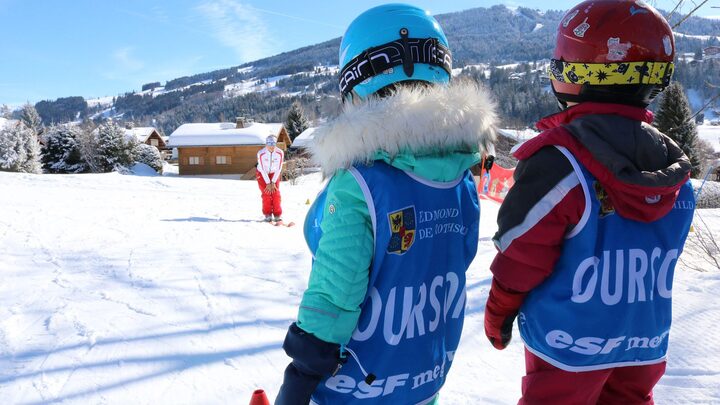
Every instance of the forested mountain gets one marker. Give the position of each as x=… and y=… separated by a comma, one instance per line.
x=481, y=39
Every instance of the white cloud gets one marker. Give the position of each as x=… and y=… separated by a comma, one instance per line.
x=238, y=26
x=126, y=61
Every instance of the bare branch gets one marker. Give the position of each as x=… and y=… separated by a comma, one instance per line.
x=677, y=6
x=689, y=14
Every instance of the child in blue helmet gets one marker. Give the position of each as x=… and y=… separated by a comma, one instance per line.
x=396, y=227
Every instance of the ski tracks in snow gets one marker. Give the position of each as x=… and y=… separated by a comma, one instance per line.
x=117, y=289
x=693, y=372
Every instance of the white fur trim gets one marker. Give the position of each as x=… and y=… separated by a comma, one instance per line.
x=460, y=116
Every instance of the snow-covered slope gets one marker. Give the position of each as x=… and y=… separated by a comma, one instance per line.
x=121, y=289
x=710, y=133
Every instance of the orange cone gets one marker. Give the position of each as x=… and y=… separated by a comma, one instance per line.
x=259, y=398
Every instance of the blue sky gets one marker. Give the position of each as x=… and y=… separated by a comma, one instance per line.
x=95, y=48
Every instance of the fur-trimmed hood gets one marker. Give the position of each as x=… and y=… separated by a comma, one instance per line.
x=458, y=117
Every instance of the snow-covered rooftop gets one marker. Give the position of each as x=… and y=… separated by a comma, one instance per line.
x=518, y=134
x=140, y=133
x=222, y=133
x=305, y=138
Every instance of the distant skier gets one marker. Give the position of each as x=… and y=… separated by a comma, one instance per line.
x=269, y=171
x=397, y=225
x=590, y=234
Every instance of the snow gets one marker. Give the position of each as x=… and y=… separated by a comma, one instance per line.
x=6, y=123
x=187, y=300
x=482, y=67
x=520, y=135
x=100, y=101
x=252, y=86
x=700, y=37
x=222, y=133
x=140, y=133
x=538, y=26
x=305, y=138
x=141, y=169
x=257, y=84
x=711, y=134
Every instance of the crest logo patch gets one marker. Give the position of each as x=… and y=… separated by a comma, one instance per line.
x=402, y=227
x=606, y=206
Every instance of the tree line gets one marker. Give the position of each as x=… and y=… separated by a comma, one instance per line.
x=27, y=146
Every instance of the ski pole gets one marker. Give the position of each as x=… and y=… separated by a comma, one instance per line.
x=697, y=194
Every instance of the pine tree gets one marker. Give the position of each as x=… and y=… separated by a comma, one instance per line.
x=673, y=118
x=33, y=152
x=88, y=145
x=19, y=149
x=296, y=121
x=11, y=151
x=5, y=111
x=114, y=148
x=32, y=120
x=61, y=153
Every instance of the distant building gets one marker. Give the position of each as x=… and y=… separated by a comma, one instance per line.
x=223, y=147
x=304, y=140
x=148, y=136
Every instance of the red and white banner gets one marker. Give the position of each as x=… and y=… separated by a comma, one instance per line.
x=496, y=184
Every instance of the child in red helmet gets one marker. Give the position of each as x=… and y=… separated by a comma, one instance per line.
x=591, y=232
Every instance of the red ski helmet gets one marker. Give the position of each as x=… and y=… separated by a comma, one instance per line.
x=617, y=51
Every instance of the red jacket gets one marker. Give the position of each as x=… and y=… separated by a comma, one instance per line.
x=640, y=169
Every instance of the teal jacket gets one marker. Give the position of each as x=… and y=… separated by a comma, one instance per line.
x=435, y=133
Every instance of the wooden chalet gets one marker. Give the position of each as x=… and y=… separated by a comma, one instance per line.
x=148, y=136
x=224, y=147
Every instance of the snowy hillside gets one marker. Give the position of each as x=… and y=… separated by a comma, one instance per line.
x=144, y=290
x=711, y=134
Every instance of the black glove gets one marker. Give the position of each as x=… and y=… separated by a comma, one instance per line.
x=313, y=360
x=488, y=164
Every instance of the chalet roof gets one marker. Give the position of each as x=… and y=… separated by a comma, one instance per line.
x=305, y=138
x=140, y=133
x=221, y=134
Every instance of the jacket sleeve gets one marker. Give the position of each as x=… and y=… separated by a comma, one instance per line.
x=330, y=307
x=278, y=172
x=261, y=168
x=545, y=203
x=313, y=359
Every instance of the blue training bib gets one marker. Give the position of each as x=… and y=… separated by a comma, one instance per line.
x=608, y=301
x=426, y=236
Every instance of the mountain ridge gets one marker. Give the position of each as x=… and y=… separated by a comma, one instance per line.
x=264, y=88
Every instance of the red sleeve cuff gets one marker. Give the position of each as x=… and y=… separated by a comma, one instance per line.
x=502, y=301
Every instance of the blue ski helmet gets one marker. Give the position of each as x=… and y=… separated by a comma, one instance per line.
x=389, y=44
